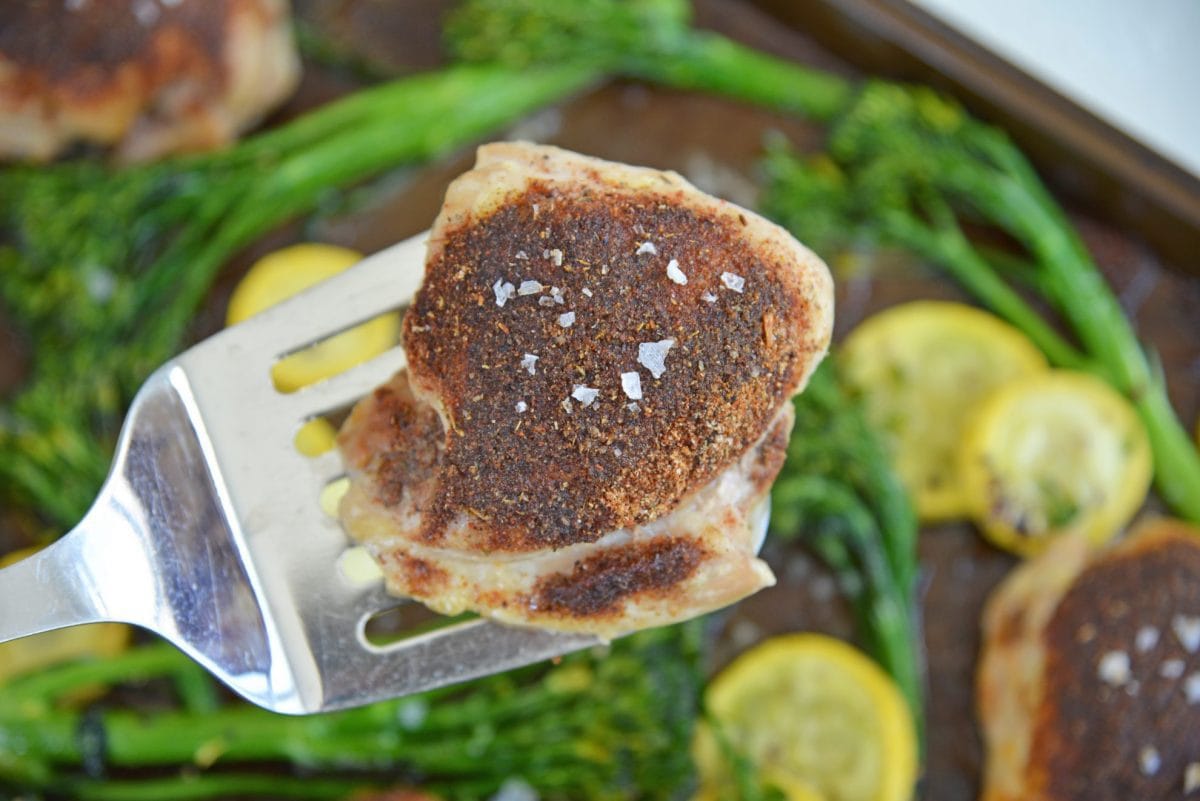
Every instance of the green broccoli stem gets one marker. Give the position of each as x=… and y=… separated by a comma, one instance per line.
x=838, y=495
x=196, y=689
x=842, y=530
x=246, y=734
x=1176, y=460
x=361, y=738
x=1029, y=212
x=648, y=39
x=947, y=246
x=584, y=728
x=712, y=63
x=200, y=786
x=855, y=454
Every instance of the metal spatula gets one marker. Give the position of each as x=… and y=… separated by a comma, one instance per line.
x=209, y=529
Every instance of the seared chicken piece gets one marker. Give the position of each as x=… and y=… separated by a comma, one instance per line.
x=601, y=360
x=147, y=77
x=1089, y=682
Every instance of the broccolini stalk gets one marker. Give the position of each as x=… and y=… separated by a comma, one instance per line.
x=907, y=167
x=839, y=496
x=187, y=787
x=602, y=726
x=105, y=268
x=648, y=39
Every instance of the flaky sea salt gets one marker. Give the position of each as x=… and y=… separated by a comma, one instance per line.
x=100, y=284
x=529, y=362
x=631, y=384
x=146, y=12
x=1191, y=777
x=516, y=789
x=522, y=407
x=1191, y=688
x=676, y=274
x=521, y=255
x=587, y=291
x=412, y=713
x=1187, y=629
x=1114, y=668
x=585, y=395
x=566, y=319
x=653, y=356
x=1149, y=761
x=646, y=247
x=1172, y=668
x=733, y=281
x=709, y=297
x=530, y=288
x=504, y=291
x=557, y=294
x=556, y=256
x=1146, y=639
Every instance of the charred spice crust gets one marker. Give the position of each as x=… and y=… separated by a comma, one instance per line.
x=559, y=472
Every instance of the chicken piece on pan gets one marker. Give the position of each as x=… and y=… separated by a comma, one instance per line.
x=1089, y=681
x=601, y=362
x=146, y=77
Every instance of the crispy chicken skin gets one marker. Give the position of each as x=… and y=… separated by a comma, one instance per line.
x=1089, y=681
x=145, y=77
x=515, y=468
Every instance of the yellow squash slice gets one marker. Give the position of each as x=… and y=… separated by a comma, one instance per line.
x=816, y=717
x=921, y=369
x=279, y=275
x=1054, y=453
